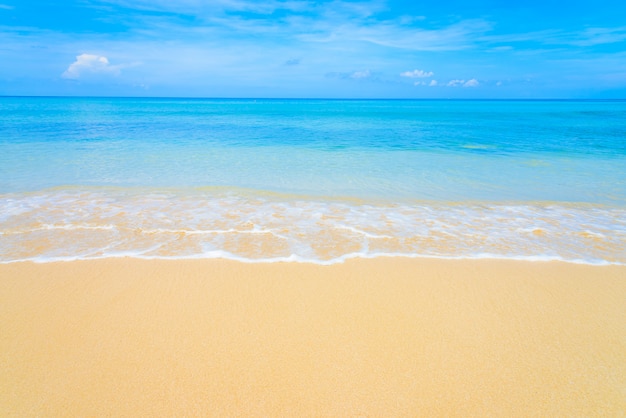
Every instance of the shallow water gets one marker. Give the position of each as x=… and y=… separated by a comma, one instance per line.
x=312, y=180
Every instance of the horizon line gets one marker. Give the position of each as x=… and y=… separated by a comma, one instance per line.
x=315, y=98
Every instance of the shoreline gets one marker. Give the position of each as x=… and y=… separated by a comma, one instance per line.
x=388, y=336
x=326, y=263
x=93, y=224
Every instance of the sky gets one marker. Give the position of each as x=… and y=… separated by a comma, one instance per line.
x=314, y=49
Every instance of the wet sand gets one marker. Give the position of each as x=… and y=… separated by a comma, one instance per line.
x=380, y=337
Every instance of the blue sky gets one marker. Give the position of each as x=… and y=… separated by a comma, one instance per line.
x=303, y=48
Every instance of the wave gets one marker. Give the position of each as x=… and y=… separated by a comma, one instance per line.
x=75, y=223
x=295, y=259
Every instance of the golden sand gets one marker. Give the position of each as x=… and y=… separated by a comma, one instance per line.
x=382, y=338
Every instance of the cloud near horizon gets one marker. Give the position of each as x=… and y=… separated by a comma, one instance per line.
x=463, y=83
x=417, y=74
x=91, y=64
x=361, y=74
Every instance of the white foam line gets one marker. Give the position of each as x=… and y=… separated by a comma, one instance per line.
x=219, y=254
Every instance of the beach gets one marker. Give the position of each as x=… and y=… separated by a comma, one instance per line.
x=323, y=258
x=390, y=336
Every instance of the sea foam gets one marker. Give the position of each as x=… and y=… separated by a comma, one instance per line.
x=80, y=223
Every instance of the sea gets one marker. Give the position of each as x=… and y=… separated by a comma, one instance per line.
x=319, y=181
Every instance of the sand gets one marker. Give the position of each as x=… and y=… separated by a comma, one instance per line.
x=384, y=337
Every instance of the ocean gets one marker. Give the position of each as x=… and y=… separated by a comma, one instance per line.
x=312, y=180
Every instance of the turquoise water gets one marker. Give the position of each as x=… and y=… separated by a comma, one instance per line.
x=312, y=180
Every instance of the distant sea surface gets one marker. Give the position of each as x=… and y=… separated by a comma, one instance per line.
x=312, y=180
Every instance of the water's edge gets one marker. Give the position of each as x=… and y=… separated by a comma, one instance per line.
x=81, y=223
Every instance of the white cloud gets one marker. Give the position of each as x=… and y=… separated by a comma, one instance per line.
x=355, y=75
x=432, y=83
x=361, y=74
x=332, y=21
x=91, y=64
x=455, y=83
x=417, y=74
x=458, y=83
